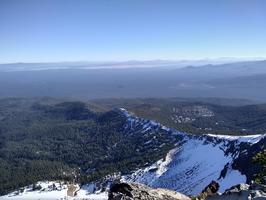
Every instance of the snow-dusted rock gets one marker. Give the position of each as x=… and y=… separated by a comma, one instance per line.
x=242, y=192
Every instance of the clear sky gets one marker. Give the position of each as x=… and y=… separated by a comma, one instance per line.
x=99, y=30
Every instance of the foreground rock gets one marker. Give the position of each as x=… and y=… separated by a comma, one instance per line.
x=130, y=191
x=135, y=191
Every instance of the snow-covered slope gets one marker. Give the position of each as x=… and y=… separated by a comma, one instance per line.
x=194, y=163
x=53, y=191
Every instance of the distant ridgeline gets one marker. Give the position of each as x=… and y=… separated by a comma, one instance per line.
x=52, y=140
x=198, y=116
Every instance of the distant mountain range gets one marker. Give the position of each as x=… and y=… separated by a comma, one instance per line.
x=22, y=66
x=244, y=80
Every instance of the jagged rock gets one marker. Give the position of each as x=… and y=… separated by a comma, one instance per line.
x=210, y=190
x=260, y=187
x=134, y=191
x=238, y=188
x=71, y=190
x=242, y=192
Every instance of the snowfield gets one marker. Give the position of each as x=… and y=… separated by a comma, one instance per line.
x=190, y=168
x=253, y=139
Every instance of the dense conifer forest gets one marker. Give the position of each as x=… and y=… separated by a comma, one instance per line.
x=47, y=140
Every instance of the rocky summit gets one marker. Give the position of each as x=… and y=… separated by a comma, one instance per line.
x=130, y=191
x=136, y=191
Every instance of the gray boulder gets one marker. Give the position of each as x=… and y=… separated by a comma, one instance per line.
x=134, y=191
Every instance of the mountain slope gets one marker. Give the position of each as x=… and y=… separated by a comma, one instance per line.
x=45, y=141
x=198, y=116
x=190, y=166
x=195, y=161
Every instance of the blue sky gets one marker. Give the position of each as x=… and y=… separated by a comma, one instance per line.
x=100, y=30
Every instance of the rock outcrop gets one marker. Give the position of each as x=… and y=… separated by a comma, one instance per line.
x=242, y=192
x=135, y=191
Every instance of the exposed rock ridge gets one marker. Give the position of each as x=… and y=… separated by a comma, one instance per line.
x=136, y=191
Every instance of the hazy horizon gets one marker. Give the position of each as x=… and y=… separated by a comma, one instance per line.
x=224, y=59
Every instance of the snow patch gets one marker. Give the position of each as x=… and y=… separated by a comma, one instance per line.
x=253, y=139
x=60, y=193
